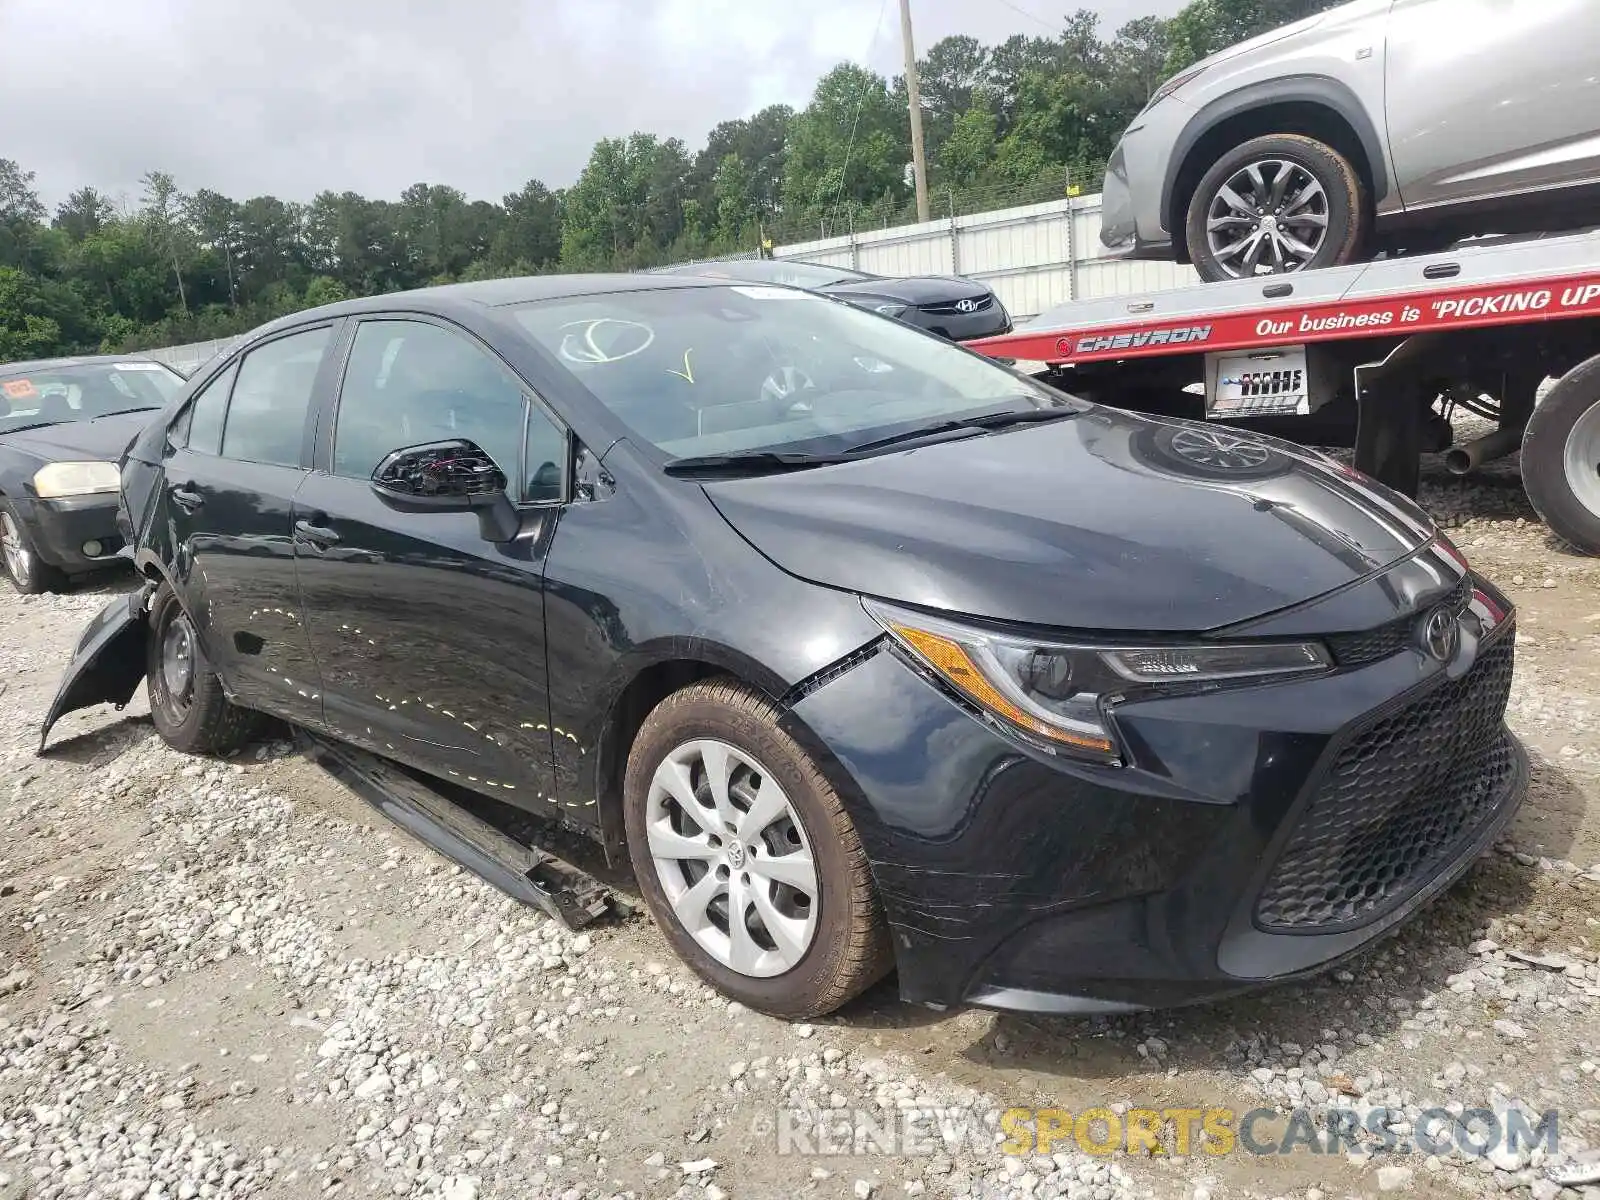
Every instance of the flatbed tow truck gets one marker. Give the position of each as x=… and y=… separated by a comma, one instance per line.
x=1376, y=357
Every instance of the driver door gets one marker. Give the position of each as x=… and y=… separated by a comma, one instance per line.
x=430, y=638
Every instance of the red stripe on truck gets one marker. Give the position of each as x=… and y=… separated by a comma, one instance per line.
x=1289, y=324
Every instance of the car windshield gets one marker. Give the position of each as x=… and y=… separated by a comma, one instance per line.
x=51, y=395
x=747, y=369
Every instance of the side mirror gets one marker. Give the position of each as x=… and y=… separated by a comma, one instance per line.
x=452, y=476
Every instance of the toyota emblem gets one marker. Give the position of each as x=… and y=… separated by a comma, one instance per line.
x=966, y=305
x=1441, y=634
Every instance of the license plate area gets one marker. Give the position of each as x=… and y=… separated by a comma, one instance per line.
x=1259, y=383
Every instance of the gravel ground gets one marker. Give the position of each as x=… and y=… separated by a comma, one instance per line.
x=233, y=979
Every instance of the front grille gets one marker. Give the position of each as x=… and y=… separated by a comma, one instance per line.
x=1371, y=645
x=949, y=309
x=1399, y=802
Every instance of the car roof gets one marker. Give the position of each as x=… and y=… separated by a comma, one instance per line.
x=79, y=360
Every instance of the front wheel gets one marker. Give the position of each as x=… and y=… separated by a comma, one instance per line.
x=187, y=704
x=1277, y=205
x=746, y=858
x=1561, y=458
x=23, y=568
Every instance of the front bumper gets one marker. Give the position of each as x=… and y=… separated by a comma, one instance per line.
x=991, y=321
x=62, y=528
x=1232, y=851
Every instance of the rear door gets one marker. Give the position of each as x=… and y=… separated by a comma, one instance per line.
x=236, y=458
x=429, y=639
x=1490, y=97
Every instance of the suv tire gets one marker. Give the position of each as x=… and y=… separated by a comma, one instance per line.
x=1275, y=205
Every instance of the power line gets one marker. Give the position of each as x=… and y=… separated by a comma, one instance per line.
x=1034, y=17
x=861, y=98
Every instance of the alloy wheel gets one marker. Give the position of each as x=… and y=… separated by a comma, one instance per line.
x=1581, y=459
x=18, y=557
x=731, y=854
x=1270, y=217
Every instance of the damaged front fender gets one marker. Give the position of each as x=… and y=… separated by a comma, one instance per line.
x=109, y=662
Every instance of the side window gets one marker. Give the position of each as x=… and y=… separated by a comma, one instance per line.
x=410, y=382
x=200, y=427
x=547, y=456
x=267, y=418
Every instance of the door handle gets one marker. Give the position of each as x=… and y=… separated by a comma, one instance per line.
x=186, y=499
x=317, y=535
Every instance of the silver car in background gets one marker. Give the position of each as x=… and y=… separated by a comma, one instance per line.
x=1399, y=125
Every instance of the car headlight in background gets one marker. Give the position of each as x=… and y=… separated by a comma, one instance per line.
x=1056, y=695
x=76, y=479
x=1179, y=80
x=889, y=310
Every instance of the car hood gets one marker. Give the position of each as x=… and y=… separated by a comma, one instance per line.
x=916, y=289
x=1104, y=521
x=101, y=440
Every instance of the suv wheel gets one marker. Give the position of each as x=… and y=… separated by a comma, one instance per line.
x=1274, y=206
x=746, y=858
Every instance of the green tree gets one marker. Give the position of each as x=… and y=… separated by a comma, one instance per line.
x=849, y=144
x=23, y=333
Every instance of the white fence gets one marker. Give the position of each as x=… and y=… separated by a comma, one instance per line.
x=1034, y=257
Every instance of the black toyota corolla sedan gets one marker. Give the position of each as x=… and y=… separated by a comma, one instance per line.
x=64, y=422
x=863, y=651
x=948, y=305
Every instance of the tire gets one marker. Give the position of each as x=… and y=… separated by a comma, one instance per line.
x=23, y=567
x=1561, y=458
x=1342, y=204
x=196, y=717
x=847, y=948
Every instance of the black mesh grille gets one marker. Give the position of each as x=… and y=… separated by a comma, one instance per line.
x=1371, y=645
x=1397, y=804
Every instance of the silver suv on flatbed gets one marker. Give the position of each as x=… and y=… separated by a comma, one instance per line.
x=1398, y=125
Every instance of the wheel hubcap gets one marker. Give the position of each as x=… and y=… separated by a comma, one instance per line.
x=1581, y=460
x=1270, y=218
x=177, y=660
x=732, y=857
x=19, y=559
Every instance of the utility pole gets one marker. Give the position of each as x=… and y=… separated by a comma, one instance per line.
x=919, y=160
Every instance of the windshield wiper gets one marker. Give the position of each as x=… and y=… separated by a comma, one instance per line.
x=120, y=411
x=754, y=462
x=978, y=424
x=25, y=428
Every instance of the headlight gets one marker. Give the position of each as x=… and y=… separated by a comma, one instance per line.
x=1057, y=695
x=76, y=479
x=1172, y=85
x=890, y=310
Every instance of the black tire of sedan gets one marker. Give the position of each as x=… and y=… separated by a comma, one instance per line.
x=724, y=812
x=1275, y=205
x=23, y=568
x=187, y=704
x=1561, y=458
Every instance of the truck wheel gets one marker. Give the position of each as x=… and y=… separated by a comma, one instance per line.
x=1561, y=458
x=187, y=704
x=1276, y=205
x=746, y=858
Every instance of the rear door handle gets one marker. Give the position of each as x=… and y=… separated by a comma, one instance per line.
x=186, y=499
x=317, y=535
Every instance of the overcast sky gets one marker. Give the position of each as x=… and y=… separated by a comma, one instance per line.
x=290, y=97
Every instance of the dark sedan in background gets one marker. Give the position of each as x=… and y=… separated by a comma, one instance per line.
x=921, y=665
x=954, y=308
x=64, y=423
